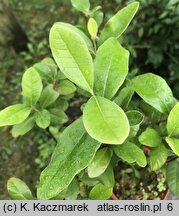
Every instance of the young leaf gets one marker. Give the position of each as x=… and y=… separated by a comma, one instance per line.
x=31, y=86
x=124, y=97
x=107, y=178
x=119, y=22
x=18, y=190
x=43, y=70
x=173, y=176
x=100, y=192
x=73, y=153
x=81, y=5
x=150, y=137
x=99, y=163
x=173, y=121
x=174, y=144
x=23, y=128
x=154, y=90
x=14, y=114
x=105, y=121
x=110, y=68
x=73, y=190
x=131, y=153
x=42, y=118
x=67, y=87
x=48, y=96
x=92, y=27
x=158, y=157
x=52, y=66
x=134, y=117
x=77, y=66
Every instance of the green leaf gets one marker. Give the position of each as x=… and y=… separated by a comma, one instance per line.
x=119, y=22
x=158, y=157
x=99, y=163
x=110, y=68
x=124, y=97
x=23, y=128
x=154, y=90
x=134, y=117
x=173, y=177
x=105, y=121
x=150, y=137
x=174, y=144
x=43, y=70
x=107, y=178
x=42, y=118
x=73, y=190
x=173, y=121
x=98, y=16
x=14, y=114
x=31, y=86
x=77, y=66
x=58, y=117
x=83, y=35
x=48, y=96
x=18, y=190
x=80, y=5
x=67, y=87
x=92, y=27
x=131, y=153
x=52, y=66
x=100, y=192
x=73, y=153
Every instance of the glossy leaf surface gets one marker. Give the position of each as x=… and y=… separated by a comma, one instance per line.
x=131, y=153
x=174, y=144
x=105, y=121
x=173, y=121
x=100, y=192
x=154, y=90
x=14, y=114
x=18, y=190
x=99, y=163
x=110, y=68
x=77, y=66
x=119, y=22
x=31, y=86
x=73, y=153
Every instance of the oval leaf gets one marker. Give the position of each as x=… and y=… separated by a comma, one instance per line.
x=14, y=114
x=154, y=90
x=99, y=163
x=58, y=116
x=67, y=87
x=80, y=5
x=31, y=86
x=92, y=27
x=100, y=192
x=73, y=153
x=150, y=137
x=107, y=178
x=42, y=118
x=131, y=153
x=158, y=157
x=73, y=190
x=173, y=121
x=23, y=128
x=174, y=144
x=48, y=97
x=105, y=121
x=77, y=66
x=119, y=22
x=110, y=68
x=173, y=177
x=18, y=190
x=134, y=117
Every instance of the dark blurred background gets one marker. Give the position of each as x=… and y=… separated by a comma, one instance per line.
x=152, y=39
